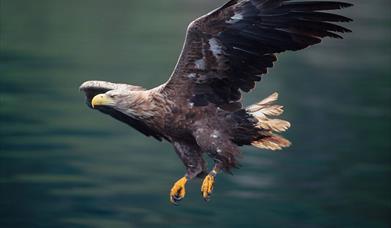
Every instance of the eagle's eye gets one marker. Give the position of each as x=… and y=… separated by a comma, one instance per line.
x=112, y=95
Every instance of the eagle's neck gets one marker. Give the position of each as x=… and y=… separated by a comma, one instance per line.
x=144, y=105
x=136, y=105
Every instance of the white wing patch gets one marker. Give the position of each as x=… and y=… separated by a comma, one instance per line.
x=192, y=76
x=200, y=64
x=215, y=134
x=215, y=47
x=235, y=18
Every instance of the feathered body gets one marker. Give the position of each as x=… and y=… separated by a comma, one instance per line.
x=199, y=108
x=208, y=127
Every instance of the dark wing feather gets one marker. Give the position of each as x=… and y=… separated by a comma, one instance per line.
x=230, y=48
x=93, y=88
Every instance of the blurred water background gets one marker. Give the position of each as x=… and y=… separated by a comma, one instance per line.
x=64, y=165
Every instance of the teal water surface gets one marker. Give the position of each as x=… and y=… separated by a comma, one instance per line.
x=64, y=165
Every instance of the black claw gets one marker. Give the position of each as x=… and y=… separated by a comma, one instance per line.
x=175, y=199
x=206, y=199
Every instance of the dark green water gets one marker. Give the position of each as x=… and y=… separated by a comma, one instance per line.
x=64, y=165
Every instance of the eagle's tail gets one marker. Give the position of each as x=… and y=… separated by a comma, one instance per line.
x=269, y=127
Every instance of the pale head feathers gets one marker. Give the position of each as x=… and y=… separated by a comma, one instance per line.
x=142, y=105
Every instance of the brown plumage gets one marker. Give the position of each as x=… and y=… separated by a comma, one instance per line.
x=226, y=51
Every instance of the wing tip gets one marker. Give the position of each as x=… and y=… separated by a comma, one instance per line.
x=92, y=84
x=84, y=85
x=346, y=5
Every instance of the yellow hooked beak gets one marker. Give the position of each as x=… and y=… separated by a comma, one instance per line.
x=101, y=99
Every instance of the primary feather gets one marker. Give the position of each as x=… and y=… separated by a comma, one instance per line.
x=239, y=41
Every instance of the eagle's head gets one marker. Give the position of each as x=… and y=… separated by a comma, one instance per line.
x=101, y=94
x=126, y=103
x=112, y=98
x=132, y=103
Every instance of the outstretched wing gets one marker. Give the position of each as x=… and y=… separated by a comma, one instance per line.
x=230, y=48
x=93, y=88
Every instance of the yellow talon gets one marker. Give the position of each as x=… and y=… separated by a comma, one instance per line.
x=178, y=190
x=207, y=186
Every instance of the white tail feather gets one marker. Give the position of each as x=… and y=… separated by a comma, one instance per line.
x=274, y=110
x=273, y=142
x=261, y=111
x=270, y=99
x=274, y=124
x=262, y=104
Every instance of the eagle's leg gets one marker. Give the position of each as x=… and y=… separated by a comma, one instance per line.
x=208, y=183
x=220, y=148
x=178, y=190
x=195, y=165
